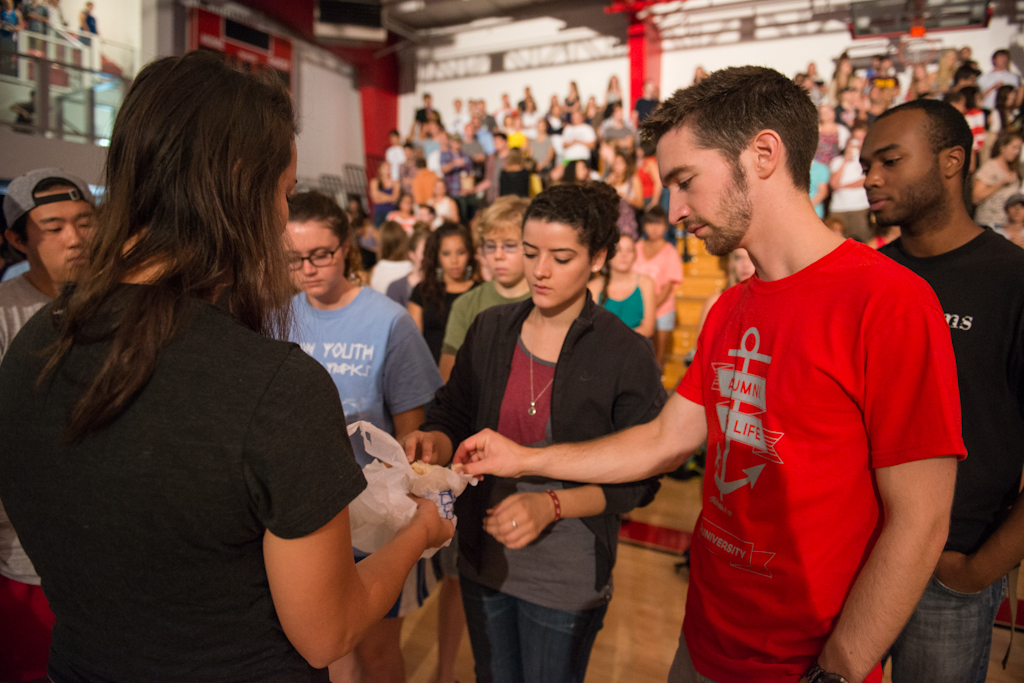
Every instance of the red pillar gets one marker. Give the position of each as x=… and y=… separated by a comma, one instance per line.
x=378, y=86
x=644, y=56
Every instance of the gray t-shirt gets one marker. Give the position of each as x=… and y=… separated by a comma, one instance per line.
x=539, y=149
x=19, y=301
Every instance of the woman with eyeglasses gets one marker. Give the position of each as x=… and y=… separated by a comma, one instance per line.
x=380, y=364
x=535, y=554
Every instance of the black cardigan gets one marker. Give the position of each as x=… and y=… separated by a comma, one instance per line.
x=607, y=379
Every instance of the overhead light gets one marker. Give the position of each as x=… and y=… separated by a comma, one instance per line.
x=410, y=6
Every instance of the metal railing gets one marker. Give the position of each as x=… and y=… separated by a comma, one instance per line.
x=58, y=99
x=87, y=50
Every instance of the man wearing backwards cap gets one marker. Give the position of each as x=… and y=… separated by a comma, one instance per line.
x=49, y=213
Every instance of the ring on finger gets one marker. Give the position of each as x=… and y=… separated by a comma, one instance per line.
x=514, y=525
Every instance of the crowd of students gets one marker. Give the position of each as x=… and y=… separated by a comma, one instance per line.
x=176, y=477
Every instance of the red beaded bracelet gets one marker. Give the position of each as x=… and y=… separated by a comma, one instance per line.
x=558, y=506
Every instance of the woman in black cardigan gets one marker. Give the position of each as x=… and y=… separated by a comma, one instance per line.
x=535, y=555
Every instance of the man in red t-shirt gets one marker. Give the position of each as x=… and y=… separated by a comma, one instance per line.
x=831, y=449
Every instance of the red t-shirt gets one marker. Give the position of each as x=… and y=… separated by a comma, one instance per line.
x=515, y=421
x=816, y=379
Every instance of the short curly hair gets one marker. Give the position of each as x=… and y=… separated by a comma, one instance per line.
x=590, y=207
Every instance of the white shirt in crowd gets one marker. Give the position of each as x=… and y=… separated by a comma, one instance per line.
x=996, y=78
x=395, y=155
x=386, y=272
x=574, y=137
x=850, y=198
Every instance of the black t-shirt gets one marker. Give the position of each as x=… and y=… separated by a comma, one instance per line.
x=514, y=182
x=424, y=115
x=435, y=317
x=981, y=288
x=645, y=108
x=148, y=534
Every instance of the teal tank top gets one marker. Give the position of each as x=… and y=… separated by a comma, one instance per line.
x=629, y=310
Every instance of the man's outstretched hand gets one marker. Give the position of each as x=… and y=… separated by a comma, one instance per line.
x=488, y=452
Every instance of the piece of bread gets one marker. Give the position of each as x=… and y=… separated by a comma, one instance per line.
x=422, y=468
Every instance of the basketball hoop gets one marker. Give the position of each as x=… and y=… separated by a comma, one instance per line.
x=917, y=49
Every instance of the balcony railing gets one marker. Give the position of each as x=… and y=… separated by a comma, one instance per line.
x=64, y=85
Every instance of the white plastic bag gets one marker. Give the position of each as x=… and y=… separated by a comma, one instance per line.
x=384, y=507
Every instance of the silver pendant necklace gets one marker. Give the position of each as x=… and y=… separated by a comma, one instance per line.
x=532, y=410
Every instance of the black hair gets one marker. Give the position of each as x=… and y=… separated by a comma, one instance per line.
x=964, y=72
x=946, y=128
x=590, y=207
x=394, y=132
x=973, y=94
x=432, y=287
x=954, y=96
x=1000, y=52
x=655, y=214
x=501, y=135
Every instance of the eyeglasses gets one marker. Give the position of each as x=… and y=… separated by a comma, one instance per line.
x=317, y=259
x=507, y=247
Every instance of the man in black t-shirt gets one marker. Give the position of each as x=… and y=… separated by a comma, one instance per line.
x=915, y=159
x=646, y=105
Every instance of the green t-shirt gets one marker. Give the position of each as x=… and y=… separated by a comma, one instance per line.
x=464, y=312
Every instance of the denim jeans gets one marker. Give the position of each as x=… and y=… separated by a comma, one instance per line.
x=515, y=641
x=949, y=636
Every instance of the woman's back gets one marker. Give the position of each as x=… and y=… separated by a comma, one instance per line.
x=162, y=513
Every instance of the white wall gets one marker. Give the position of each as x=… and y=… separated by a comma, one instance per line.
x=330, y=119
x=118, y=20
x=591, y=77
x=545, y=33
x=790, y=55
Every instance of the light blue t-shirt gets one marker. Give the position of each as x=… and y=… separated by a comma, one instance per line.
x=374, y=353
x=819, y=174
x=14, y=271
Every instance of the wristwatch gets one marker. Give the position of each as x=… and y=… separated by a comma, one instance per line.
x=818, y=675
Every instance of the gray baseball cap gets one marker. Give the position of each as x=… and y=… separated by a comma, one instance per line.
x=20, y=197
x=1014, y=199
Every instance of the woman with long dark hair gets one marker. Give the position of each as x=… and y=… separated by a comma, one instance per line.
x=179, y=479
x=535, y=555
x=449, y=267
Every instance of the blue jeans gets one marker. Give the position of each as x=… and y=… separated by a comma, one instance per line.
x=949, y=636
x=515, y=641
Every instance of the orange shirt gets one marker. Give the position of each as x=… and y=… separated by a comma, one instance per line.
x=423, y=185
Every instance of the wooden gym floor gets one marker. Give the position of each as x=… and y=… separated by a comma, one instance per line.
x=641, y=629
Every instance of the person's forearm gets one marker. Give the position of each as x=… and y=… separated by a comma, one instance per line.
x=582, y=501
x=1003, y=550
x=602, y=461
x=664, y=293
x=982, y=191
x=884, y=595
x=383, y=573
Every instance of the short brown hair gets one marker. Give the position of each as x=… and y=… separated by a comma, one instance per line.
x=729, y=107
x=394, y=241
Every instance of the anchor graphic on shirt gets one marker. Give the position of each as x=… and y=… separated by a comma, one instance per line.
x=743, y=389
